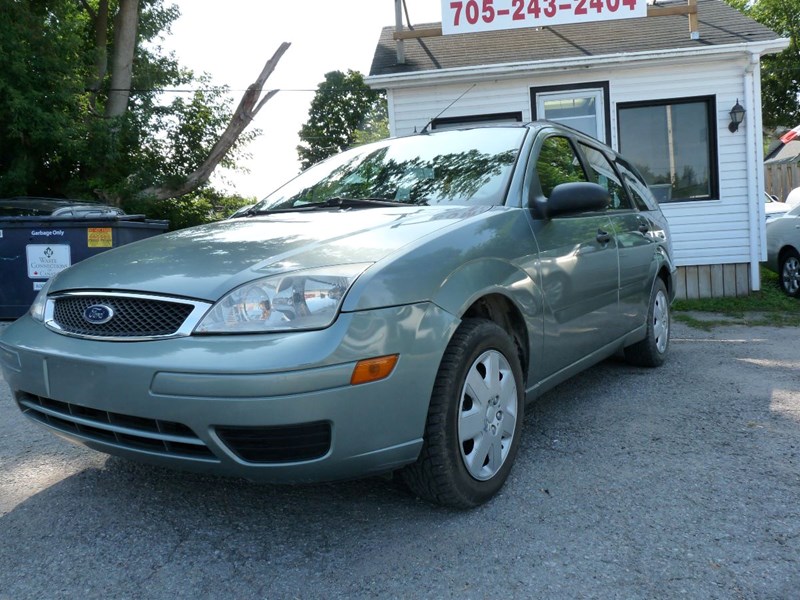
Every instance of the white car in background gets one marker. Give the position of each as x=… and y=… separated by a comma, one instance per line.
x=783, y=250
x=793, y=199
x=774, y=208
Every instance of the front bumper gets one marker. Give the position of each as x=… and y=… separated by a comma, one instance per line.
x=207, y=403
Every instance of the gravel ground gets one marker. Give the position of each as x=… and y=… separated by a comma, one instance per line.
x=682, y=481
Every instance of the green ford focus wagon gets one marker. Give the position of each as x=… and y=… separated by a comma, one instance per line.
x=391, y=309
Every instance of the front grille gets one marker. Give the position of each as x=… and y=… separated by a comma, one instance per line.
x=287, y=443
x=133, y=433
x=133, y=317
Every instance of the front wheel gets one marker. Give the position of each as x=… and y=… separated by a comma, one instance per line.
x=652, y=350
x=790, y=273
x=474, y=419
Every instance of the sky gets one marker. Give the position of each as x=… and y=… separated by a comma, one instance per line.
x=233, y=44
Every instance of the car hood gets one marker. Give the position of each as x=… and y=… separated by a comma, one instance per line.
x=208, y=261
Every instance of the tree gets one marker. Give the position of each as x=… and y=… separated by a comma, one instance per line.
x=39, y=95
x=342, y=106
x=82, y=108
x=375, y=126
x=780, y=73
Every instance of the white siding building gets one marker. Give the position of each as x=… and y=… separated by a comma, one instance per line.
x=641, y=85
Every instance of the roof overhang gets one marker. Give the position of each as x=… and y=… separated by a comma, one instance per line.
x=512, y=70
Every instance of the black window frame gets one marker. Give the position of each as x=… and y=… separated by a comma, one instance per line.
x=713, y=141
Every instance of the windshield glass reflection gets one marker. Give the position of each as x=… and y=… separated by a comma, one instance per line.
x=455, y=167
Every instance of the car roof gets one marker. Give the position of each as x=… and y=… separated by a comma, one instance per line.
x=42, y=206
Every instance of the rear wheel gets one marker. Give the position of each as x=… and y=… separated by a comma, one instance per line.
x=790, y=273
x=652, y=350
x=474, y=420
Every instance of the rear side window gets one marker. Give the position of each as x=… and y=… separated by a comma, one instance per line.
x=558, y=163
x=642, y=197
x=603, y=173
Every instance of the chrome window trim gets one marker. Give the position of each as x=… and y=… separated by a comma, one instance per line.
x=199, y=309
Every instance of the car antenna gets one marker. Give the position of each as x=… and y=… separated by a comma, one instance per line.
x=425, y=129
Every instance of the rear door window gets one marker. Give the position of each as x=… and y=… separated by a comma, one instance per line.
x=603, y=173
x=642, y=196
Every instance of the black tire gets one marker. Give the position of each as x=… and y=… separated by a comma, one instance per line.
x=452, y=472
x=789, y=271
x=652, y=350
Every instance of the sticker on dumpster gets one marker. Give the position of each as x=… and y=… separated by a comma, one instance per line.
x=38, y=285
x=100, y=237
x=45, y=260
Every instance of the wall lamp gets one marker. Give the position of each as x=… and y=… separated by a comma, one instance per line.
x=737, y=116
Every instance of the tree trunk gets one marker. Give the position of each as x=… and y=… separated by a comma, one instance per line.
x=126, y=23
x=251, y=102
x=100, y=21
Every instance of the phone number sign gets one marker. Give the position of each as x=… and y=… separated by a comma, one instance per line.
x=469, y=16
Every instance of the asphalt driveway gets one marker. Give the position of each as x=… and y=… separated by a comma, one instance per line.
x=682, y=481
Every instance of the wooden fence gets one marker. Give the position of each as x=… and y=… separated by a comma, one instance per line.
x=781, y=178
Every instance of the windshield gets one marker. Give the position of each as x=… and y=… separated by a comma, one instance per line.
x=454, y=167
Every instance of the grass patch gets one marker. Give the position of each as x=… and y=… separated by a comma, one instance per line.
x=769, y=306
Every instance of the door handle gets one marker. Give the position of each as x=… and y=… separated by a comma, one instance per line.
x=603, y=237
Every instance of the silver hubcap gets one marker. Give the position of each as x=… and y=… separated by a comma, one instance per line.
x=487, y=415
x=791, y=275
x=661, y=321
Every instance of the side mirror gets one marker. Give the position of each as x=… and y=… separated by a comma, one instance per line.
x=578, y=197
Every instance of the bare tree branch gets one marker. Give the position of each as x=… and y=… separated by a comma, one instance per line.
x=247, y=109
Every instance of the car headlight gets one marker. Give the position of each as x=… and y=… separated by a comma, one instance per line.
x=308, y=299
x=40, y=302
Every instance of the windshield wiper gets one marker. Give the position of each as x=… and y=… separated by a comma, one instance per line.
x=362, y=202
x=338, y=203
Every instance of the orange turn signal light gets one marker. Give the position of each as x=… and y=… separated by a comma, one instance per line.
x=373, y=369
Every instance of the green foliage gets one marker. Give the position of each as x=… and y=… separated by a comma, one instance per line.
x=345, y=111
x=54, y=140
x=375, y=126
x=780, y=73
x=40, y=93
x=204, y=206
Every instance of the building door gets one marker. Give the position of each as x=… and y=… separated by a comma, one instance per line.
x=582, y=108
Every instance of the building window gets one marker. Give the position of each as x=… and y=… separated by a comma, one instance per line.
x=673, y=144
x=508, y=118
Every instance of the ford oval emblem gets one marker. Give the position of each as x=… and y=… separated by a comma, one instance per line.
x=98, y=314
